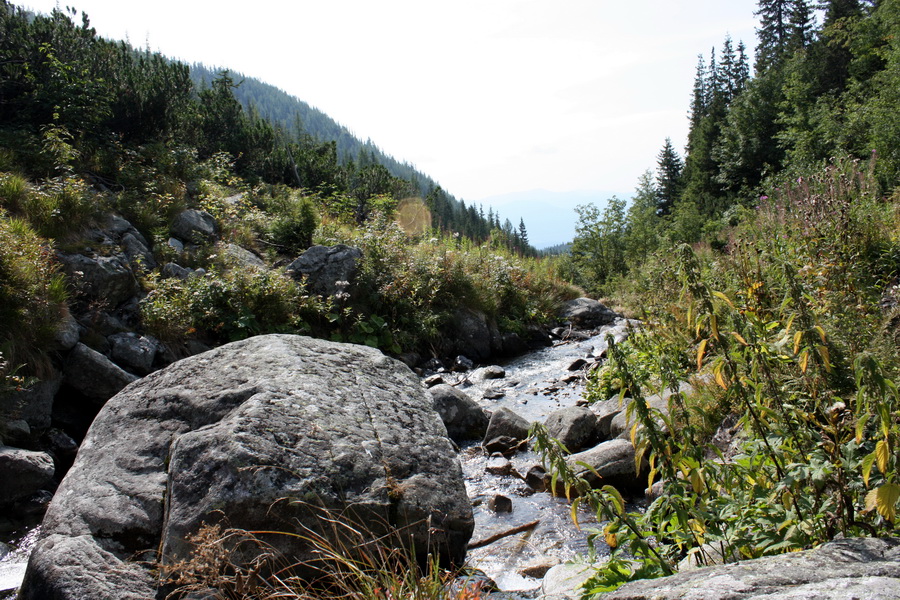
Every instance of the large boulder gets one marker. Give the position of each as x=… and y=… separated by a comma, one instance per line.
x=848, y=568
x=586, y=313
x=462, y=416
x=266, y=433
x=328, y=270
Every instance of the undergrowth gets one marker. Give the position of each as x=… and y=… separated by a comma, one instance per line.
x=785, y=331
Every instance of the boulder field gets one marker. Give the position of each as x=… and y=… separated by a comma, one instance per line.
x=265, y=434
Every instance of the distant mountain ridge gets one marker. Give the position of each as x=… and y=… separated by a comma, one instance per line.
x=295, y=117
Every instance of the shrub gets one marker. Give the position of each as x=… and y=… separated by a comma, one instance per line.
x=227, y=304
x=32, y=295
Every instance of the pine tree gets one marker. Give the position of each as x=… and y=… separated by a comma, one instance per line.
x=523, y=234
x=668, y=178
x=698, y=100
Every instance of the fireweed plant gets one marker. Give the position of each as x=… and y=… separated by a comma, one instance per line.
x=787, y=334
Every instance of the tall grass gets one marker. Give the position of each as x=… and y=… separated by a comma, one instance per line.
x=346, y=561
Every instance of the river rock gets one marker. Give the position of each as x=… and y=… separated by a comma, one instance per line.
x=838, y=570
x=505, y=422
x=574, y=426
x=93, y=375
x=462, y=416
x=613, y=462
x=134, y=351
x=24, y=473
x=328, y=270
x=562, y=581
x=488, y=372
x=585, y=313
x=267, y=433
x=471, y=334
x=194, y=225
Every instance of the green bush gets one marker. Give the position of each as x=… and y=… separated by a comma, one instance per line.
x=294, y=224
x=227, y=305
x=32, y=295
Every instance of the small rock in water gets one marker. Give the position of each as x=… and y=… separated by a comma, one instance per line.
x=571, y=378
x=493, y=394
x=463, y=364
x=577, y=365
x=433, y=381
x=499, y=465
x=538, y=567
x=503, y=444
x=500, y=503
x=434, y=364
x=490, y=372
x=537, y=478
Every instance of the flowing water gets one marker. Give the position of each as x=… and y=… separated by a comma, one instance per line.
x=535, y=385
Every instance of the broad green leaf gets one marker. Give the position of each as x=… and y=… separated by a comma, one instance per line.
x=616, y=498
x=867, y=463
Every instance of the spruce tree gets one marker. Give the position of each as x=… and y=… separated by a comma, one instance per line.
x=668, y=178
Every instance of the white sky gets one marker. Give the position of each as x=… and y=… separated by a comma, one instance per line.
x=485, y=96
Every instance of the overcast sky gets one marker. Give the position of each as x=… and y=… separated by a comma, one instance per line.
x=487, y=97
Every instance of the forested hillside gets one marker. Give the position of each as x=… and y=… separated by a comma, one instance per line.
x=296, y=120
x=91, y=127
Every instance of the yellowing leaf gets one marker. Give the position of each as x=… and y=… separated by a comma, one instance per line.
x=701, y=350
x=609, y=535
x=804, y=360
x=714, y=325
x=826, y=357
x=882, y=456
x=821, y=332
x=860, y=426
x=723, y=298
x=798, y=337
x=697, y=481
x=739, y=338
x=884, y=500
x=720, y=379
